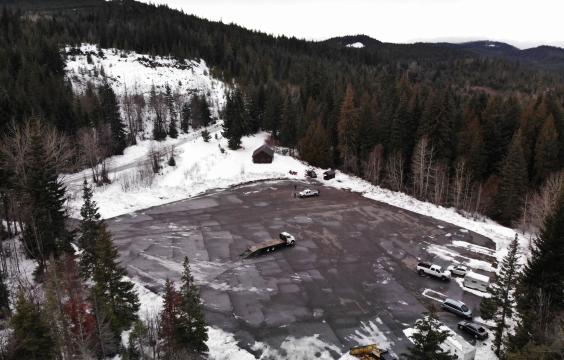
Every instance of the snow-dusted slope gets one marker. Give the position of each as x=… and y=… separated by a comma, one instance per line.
x=136, y=74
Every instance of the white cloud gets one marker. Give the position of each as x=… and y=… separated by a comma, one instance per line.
x=521, y=22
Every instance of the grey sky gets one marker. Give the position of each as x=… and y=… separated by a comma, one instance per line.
x=523, y=23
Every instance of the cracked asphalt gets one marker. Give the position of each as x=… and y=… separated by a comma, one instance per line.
x=353, y=264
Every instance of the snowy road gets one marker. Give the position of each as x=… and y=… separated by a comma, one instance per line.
x=350, y=279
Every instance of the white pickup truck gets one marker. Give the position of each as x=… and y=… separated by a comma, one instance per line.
x=308, y=193
x=433, y=270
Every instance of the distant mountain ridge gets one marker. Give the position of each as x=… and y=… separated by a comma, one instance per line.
x=544, y=56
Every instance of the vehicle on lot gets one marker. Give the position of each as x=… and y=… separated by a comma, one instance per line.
x=458, y=346
x=284, y=240
x=476, y=330
x=457, y=307
x=308, y=193
x=311, y=173
x=476, y=281
x=433, y=270
x=370, y=352
x=458, y=270
x=329, y=174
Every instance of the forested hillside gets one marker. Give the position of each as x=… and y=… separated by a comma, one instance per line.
x=473, y=130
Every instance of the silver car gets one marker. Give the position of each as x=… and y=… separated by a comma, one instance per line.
x=457, y=307
x=459, y=270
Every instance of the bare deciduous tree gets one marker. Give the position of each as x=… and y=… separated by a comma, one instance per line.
x=373, y=167
x=461, y=185
x=542, y=203
x=421, y=168
x=395, y=170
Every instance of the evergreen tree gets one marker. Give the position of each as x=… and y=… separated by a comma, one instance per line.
x=186, y=116
x=195, y=333
x=427, y=340
x=31, y=337
x=169, y=330
x=159, y=132
x=4, y=297
x=437, y=123
x=195, y=112
x=44, y=234
x=114, y=295
x=111, y=115
x=513, y=185
x=348, y=131
x=546, y=151
x=540, y=297
x=172, y=128
x=90, y=227
x=205, y=113
x=314, y=147
x=235, y=119
x=287, y=135
x=499, y=307
x=206, y=135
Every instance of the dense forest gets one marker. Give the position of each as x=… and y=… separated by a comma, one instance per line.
x=446, y=125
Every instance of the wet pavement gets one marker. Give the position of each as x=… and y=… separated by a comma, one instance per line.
x=350, y=278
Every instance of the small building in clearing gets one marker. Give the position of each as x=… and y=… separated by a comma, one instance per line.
x=263, y=155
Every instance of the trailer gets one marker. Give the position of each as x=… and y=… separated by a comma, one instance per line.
x=476, y=281
x=284, y=240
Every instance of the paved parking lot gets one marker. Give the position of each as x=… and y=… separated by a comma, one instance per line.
x=351, y=276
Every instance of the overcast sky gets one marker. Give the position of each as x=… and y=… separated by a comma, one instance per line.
x=523, y=23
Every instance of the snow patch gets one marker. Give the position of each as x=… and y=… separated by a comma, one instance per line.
x=356, y=45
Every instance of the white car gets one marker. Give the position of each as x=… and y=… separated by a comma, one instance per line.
x=458, y=270
x=308, y=193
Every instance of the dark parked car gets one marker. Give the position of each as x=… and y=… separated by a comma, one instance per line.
x=311, y=173
x=476, y=330
x=329, y=174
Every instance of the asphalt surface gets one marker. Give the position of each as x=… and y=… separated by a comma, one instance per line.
x=353, y=264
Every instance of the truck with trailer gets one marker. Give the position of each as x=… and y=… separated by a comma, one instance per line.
x=285, y=239
x=433, y=270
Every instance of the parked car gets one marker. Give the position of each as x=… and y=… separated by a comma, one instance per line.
x=457, y=307
x=476, y=330
x=433, y=270
x=329, y=174
x=308, y=193
x=311, y=173
x=458, y=270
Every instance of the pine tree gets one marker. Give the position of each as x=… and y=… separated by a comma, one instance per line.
x=427, y=340
x=4, y=297
x=540, y=297
x=169, y=331
x=513, y=186
x=31, y=337
x=437, y=123
x=235, y=118
x=546, y=151
x=205, y=112
x=314, y=146
x=159, y=132
x=287, y=135
x=499, y=307
x=111, y=115
x=45, y=234
x=206, y=135
x=90, y=227
x=172, y=128
x=113, y=294
x=195, y=332
x=185, y=122
x=348, y=131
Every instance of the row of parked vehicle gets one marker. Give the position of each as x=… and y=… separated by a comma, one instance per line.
x=457, y=307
